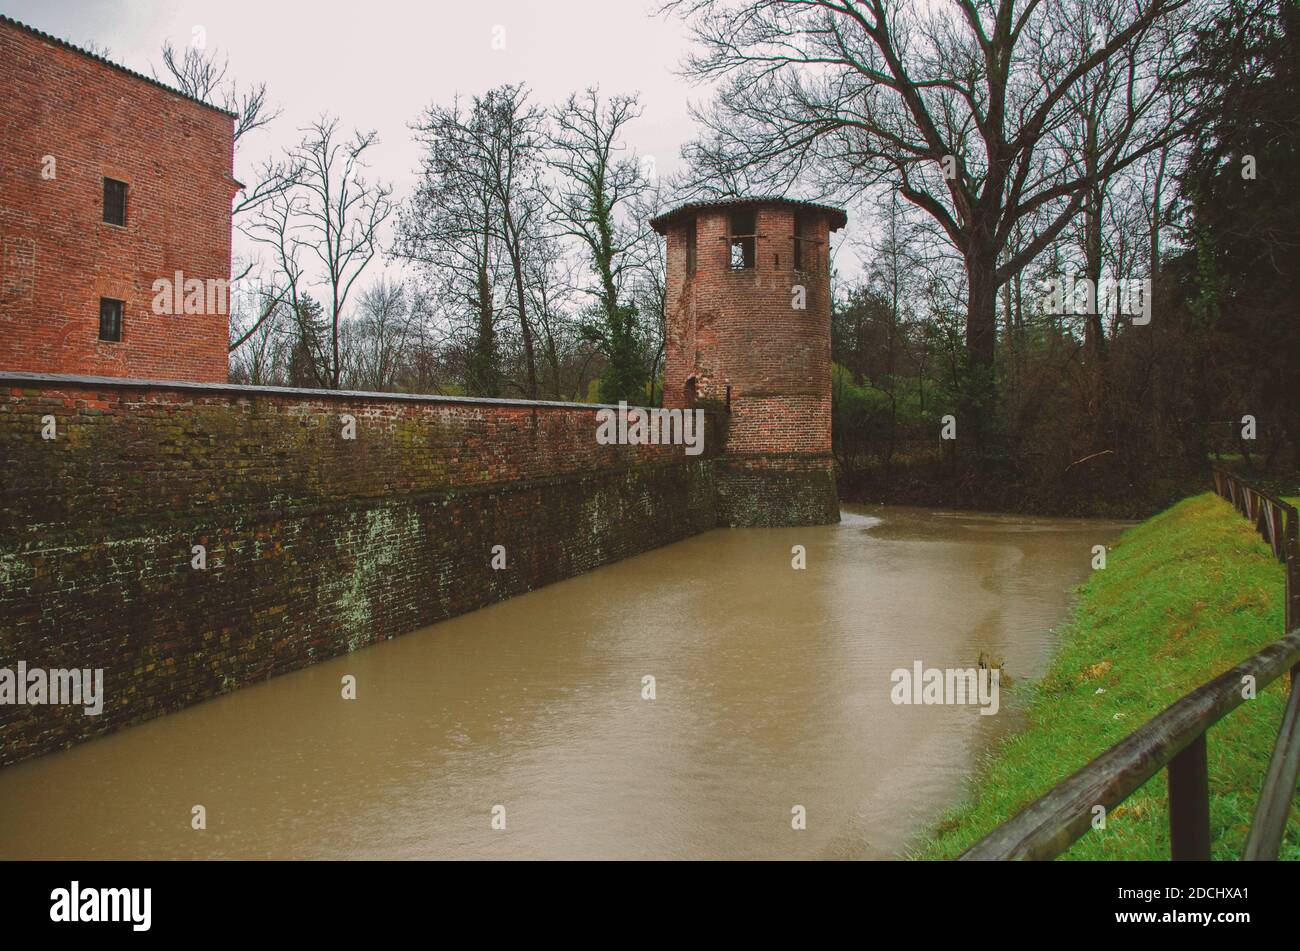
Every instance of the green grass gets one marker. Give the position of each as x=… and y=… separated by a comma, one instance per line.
x=1184, y=596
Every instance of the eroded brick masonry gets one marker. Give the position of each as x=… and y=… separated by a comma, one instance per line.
x=69, y=121
x=316, y=545
x=749, y=329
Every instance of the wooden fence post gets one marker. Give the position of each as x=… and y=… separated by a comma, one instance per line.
x=1189, y=804
x=1292, y=573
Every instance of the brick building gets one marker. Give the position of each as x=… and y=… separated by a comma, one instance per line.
x=110, y=182
x=749, y=326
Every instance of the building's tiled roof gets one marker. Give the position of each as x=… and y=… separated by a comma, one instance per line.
x=108, y=62
x=660, y=222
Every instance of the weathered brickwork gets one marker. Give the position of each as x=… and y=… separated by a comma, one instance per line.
x=772, y=490
x=69, y=121
x=738, y=337
x=316, y=545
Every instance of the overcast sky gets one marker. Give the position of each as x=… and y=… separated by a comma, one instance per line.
x=378, y=64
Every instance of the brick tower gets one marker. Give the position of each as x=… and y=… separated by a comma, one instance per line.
x=109, y=183
x=749, y=329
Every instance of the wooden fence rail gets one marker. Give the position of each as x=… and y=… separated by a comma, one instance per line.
x=1175, y=738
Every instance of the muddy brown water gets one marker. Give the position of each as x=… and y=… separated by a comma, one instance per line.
x=772, y=690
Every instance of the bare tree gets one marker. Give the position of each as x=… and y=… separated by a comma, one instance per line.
x=476, y=215
x=552, y=284
x=382, y=327
x=598, y=179
x=509, y=133
x=952, y=104
x=334, y=215
x=275, y=226
x=199, y=74
x=447, y=228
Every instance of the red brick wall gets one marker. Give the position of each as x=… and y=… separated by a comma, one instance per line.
x=58, y=257
x=316, y=545
x=739, y=327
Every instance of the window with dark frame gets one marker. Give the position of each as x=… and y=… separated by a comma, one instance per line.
x=114, y=202
x=690, y=247
x=744, y=239
x=110, y=319
x=805, y=241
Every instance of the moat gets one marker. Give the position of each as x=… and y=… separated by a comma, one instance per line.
x=772, y=690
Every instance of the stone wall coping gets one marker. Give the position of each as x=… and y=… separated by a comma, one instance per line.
x=19, y=378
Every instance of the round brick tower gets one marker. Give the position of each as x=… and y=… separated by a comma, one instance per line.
x=749, y=332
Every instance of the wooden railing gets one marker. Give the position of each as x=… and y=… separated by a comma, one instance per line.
x=1175, y=738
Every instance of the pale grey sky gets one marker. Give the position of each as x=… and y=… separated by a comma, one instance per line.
x=378, y=64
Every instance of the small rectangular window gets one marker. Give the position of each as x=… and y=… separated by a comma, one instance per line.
x=805, y=241
x=690, y=248
x=110, y=319
x=744, y=239
x=114, y=202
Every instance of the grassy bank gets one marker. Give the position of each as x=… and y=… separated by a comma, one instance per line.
x=1184, y=596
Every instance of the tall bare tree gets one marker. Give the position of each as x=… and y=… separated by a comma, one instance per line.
x=953, y=104
x=509, y=132
x=332, y=214
x=447, y=228
x=477, y=212
x=598, y=180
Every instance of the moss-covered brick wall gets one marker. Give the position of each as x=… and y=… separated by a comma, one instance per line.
x=316, y=545
x=775, y=490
